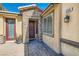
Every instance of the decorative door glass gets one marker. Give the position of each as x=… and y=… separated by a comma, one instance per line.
x=10, y=29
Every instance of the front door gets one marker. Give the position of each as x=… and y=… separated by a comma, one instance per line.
x=10, y=29
x=31, y=29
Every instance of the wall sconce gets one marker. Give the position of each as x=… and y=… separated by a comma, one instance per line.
x=67, y=18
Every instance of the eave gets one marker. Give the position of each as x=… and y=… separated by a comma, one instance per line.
x=49, y=9
x=31, y=8
x=12, y=13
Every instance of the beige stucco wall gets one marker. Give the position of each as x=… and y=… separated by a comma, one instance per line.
x=26, y=16
x=70, y=31
x=1, y=30
x=19, y=26
x=25, y=27
x=69, y=50
x=1, y=25
x=54, y=42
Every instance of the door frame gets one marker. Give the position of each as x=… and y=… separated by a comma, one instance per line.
x=35, y=28
x=7, y=39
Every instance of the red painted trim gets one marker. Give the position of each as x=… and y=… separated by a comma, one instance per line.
x=6, y=30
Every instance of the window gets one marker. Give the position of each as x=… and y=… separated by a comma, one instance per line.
x=48, y=24
x=44, y=25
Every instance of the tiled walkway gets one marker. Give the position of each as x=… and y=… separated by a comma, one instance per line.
x=38, y=48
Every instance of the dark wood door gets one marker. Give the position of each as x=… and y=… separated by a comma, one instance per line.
x=31, y=29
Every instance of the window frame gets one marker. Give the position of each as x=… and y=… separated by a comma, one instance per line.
x=52, y=29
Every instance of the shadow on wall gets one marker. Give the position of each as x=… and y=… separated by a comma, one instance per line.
x=2, y=39
x=19, y=39
x=27, y=34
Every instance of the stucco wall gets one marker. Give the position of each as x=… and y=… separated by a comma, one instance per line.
x=26, y=16
x=19, y=26
x=70, y=30
x=69, y=50
x=54, y=42
x=1, y=25
x=25, y=27
x=1, y=30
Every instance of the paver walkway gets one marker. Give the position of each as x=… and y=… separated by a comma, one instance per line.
x=11, y=49
x=38, y=48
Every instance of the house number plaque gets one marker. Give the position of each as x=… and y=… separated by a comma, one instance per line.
x=69, y=10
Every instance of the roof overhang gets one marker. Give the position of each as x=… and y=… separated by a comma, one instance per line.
x=21, y=7
x=14, y=13
x=29, y=7
x=49, y=9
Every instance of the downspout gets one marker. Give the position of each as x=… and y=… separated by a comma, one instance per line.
x=60, y=28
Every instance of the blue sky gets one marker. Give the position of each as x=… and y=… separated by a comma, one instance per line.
x=13, y=7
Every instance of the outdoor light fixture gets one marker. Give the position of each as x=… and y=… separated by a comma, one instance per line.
x=67, y=18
